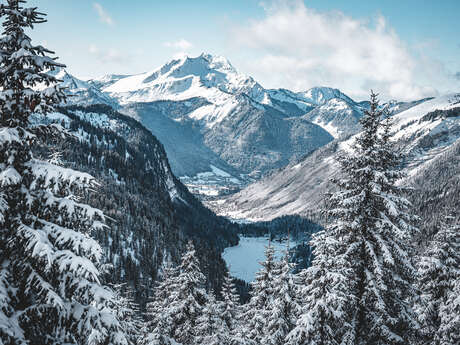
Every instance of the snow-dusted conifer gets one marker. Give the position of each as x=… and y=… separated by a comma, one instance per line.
x=449, y=329
x=50, y=291
x=127, y=311
x=188, y=299
x=231, y=311
x=157, y=329
x=362, y=273
x=325, y=311
x=439, y=272
x=282, y=309
x=255, y=311
x=211, y=329
x=230, y=304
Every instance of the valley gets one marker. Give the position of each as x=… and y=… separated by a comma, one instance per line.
x=252, y=154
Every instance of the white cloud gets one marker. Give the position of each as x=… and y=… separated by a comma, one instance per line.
x=108, y=55
x=103, y=15
x=181, y=44
x=93, y=49
x=298, y=48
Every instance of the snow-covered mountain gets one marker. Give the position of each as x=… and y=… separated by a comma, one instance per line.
x=82, y=92
x=425, y=132
x=322, y=95
x=337, y=116
x=210, y=118
x=206, y=76
x=208, y=115
x=106, y=80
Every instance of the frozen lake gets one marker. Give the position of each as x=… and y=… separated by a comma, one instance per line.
x=243, y=259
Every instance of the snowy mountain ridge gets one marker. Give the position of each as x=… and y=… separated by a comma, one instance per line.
x=82, y=92
x=210, y=116
x=422, y=135
x=205, y=76
x=215, y=79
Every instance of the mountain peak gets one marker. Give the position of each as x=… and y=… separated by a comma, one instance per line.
x=202, y=66
x=218, y=62
x=206, y=76
x=322, y=94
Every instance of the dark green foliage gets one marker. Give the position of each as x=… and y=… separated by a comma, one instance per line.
x=299, y=228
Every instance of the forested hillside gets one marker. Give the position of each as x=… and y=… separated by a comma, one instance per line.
x=151, y=214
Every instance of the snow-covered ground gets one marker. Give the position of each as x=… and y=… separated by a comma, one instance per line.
x=214, y=182
x=243, y=259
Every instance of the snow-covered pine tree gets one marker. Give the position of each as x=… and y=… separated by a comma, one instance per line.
x=326, y=304
x=449, y=328
x=230, y=309
x=211, y=329
x=439, y=272
x=50, y=291
x=363, y=258
x=128, y=312
x=255, y=311
x=188, y=298
x=157, y=329
x=230, y=304
x=282, y=309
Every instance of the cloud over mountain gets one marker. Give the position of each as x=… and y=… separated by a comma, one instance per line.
x=298, y=47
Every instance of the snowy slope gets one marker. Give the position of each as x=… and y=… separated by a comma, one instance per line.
x=299, y=188
x=106, y=80
x=82, y=92
x=337, y=116
x=416, y=113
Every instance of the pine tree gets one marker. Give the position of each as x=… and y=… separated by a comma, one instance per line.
x=229, y=307
x=439, y=271
x=449, y=329
x=211, y=329
x=188, y=298
x=127, y=312
x=50, y=289
x=282, y=309
x=362, y=273
x=325, y=311
x=157, y=329
x=255, y=311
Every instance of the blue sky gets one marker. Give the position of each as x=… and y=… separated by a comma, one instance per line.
x=405, y=49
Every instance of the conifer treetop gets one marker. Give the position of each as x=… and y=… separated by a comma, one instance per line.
x=25, y=81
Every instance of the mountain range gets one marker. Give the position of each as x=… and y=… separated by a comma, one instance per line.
x=219, y=126
x=222, y=131
x=218, y=130
x=427, y=135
